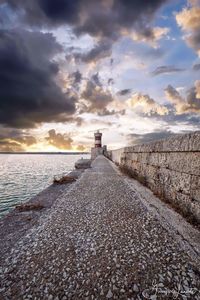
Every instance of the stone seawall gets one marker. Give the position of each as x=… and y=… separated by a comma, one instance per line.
x=169, y=167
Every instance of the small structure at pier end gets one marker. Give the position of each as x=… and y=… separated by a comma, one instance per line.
x=97, y=138
x=97, y=149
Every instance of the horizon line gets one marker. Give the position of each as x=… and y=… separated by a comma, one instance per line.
x=43, y=152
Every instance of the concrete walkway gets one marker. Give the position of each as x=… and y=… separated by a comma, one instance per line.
x=99, y=242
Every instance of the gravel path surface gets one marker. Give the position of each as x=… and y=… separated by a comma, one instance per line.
x=99, y=242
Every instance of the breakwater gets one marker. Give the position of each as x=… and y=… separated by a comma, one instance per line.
x=99, y=240
x=169, y=167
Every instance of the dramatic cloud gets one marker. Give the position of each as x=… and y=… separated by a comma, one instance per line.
x=111, y=18
x=190, y=104
x=189, y=21
x=96, y=97
x=146, y=105
x=166, y=70
x=60, y=141
x=28, y=91
x=75, y=79
x=97, y=18
x=135, y=139
x=16, y=142
x=76, y=61
x=147, y=34
x=10, y=146
x=46, y=12
x=26, y=140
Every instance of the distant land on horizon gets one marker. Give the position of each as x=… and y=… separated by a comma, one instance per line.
x=41, y=152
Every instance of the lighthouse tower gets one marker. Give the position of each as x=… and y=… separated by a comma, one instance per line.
x=97, y=149
x=97, y=138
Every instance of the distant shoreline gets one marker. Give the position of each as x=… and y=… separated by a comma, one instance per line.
x=54, y=153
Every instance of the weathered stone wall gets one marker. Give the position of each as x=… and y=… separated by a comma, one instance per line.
x=169, y=167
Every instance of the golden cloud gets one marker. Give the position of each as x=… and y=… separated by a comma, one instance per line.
x=146, y=105
x=16, y=144
x=189, y=104
x=59, y=140
x=147, y=35
x=189, y=21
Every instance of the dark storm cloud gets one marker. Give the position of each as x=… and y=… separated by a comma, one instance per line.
x=107, y=18
x=124, y=92
x=96, y=97
x=104, y=20
x=75, y=79
x=59, y=140
x=77, y=76
x=165, y=70
x=196, y=67
x=46, y=12
x=148, y=137
x=28, y=91
x=95, y=17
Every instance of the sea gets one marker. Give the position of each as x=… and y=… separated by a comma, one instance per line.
x=23, y=176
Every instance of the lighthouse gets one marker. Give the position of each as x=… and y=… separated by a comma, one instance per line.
x=97, y=139
x=97, y=149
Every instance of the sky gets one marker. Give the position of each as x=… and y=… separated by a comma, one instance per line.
x=68, y=68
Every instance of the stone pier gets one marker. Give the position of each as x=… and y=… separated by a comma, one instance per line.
x=106, y=237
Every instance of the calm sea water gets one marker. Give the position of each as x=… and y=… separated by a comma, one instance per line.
x=22, y=176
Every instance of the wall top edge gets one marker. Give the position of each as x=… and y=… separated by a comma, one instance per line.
x=189, y=142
